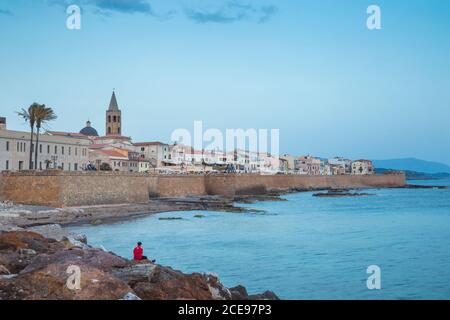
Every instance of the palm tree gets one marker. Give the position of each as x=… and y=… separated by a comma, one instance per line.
x=43, y=115
x=30, y=117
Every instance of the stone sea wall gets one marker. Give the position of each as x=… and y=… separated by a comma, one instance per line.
x=60, y=189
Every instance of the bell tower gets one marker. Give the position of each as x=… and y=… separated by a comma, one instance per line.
x=113, y=118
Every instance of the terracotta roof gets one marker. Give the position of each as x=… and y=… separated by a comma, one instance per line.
x=152, y=143
x=99, y=145
x=113, y=154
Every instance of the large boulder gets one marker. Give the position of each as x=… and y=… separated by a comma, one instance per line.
x=18, y=248
x=165, y=283
x=55, y=231
x=50, y=283
x=96, y=258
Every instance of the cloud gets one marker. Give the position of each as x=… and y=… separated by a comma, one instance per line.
x=232, y=11
x=107, y=6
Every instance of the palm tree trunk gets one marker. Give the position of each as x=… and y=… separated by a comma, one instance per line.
x=30, y=166
x=36, y=149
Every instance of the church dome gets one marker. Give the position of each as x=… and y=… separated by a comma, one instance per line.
x=89, y=131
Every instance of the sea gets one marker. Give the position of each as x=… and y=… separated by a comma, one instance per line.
x=391, y=244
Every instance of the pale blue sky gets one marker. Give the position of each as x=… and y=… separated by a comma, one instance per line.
x=310, y=68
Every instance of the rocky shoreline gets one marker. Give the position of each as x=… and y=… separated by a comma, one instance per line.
x=28, y=216
x=35, y=264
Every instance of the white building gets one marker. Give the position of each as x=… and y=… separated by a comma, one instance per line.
x=68, y=153
x=155, y=151
x=346, y=164
x=362, y=167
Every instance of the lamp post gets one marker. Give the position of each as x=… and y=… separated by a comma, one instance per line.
x=54, y=159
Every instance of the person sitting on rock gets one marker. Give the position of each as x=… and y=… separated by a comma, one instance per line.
x=138, y=253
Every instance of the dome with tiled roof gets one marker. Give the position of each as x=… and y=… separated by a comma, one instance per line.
x=88, y=130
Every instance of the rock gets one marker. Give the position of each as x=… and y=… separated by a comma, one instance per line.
x=29, y=252
x=50, y=283
x=239, y=293
x=268, y=295
x=96, y=222
x=96, y=258
x=18, y=248
x=131, y=296
x=135, y=273
x=340, y=194
x=8, y=228
x=52, y=231
x=4, y=270
x=55, y=231
x=217, y=289
x=166, y=283
x=35, y=267
x=80, y=237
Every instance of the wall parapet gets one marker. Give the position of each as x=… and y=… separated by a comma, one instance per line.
x=62, y=188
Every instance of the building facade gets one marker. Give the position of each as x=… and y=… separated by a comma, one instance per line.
x=362, y=167
x=156, y=152
x=68, y=153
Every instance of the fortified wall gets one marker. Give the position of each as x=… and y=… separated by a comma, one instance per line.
x=62, y=188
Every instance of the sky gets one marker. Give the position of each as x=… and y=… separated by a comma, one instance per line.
x=311, y=69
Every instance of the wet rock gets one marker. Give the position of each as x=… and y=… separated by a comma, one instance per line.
x=131, y=296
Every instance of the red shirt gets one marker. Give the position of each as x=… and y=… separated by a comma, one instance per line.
x=137, y=252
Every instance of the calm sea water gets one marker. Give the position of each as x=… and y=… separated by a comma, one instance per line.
x=307, y=247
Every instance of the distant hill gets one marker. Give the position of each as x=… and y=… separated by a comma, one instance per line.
x=412, y=164
x=414, y=175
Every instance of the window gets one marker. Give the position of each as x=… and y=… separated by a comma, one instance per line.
x=56, y=149
x=109, y=118
x=7, y=147
x=109, y=129
x=40, y=148
x=62, y=165
x=70, y=150
x=75, y=166
x=76, y=151
x=7, y=164
x=40, y=165
x=17, y=146
x=70, y=166
x=48, y=149
x=62, y=150
x=114, y=119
